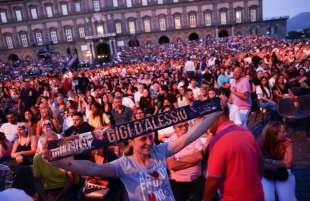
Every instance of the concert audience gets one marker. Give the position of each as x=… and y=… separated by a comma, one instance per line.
x=150, y=80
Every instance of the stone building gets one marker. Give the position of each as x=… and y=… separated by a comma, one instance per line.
x=98, y=27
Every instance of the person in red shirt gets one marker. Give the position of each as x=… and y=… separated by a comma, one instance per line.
x=234, y=164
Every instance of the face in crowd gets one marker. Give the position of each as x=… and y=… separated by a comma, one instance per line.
x=77, y=120
x=143, y=145
x=181, y=129
x=237, y=73
x=11, y=118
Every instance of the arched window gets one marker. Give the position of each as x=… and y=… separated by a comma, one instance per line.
x=24, y=39
x=118, y=27
x=38, y=37
x=162, y=23
x=9, y=40
x=177, y=21
x=223, y=16
x=68, y=33
x=53, y=36
x=49, y=10
x=253, y=14
x=238, y=15
x=192, y=20
x=132, y=26
x=208, y=18
x=147, y=24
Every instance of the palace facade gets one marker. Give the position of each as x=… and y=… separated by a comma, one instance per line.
x=97, y=28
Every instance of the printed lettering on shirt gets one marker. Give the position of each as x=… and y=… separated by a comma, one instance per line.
x=153, y=186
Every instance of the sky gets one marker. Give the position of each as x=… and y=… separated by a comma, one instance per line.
x=276, y=8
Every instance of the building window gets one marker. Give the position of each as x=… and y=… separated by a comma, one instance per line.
x=162, y=24
x=100, y=30
x=238, y=16
x=144, y=2
x=34, y=13
x=223, y=17
x=9, y=42
x=24, y=39
x=3, y=17
x=115, y=3
x=132, y=27
x=49, y=11
x=192, y=20
x=175, y=1
x=177, y=22
x=160, y=1
x=77, y=7
x=54, y=37
x=129, y=3
x=208, y=19
x=82, y=32
x=69, y=36
x=253, y=15
x=147, y=25
x=19, y=16
x=118, y=27
x=96, y=5
x=64, y=9
x=39, y=38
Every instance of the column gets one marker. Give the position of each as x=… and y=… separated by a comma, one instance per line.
x=231, y=14
x=60, y=31
x=15, y=38
x=246, y=13
x=184, y=17
x=199, y=17
x=232, y=30
x=139, y=22
x=215, y=14
x=169, y=20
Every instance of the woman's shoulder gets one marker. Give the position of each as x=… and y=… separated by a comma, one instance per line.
x=287, y=142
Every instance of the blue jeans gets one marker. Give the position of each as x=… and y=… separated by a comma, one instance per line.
x=268, y=106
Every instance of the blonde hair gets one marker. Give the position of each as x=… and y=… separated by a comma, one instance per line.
x=42, y=144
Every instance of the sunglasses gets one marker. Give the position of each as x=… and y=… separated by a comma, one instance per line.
x=48, y=125
x=21, y=127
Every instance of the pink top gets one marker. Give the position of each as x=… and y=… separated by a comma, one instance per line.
x=191, y=173
x=235, y=158
x=241, y=86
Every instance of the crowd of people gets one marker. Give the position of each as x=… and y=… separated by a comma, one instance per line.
x=214, y=158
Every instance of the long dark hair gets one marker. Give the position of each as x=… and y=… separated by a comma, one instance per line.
x=263, y=88
x=2, y=140
x=271, y=146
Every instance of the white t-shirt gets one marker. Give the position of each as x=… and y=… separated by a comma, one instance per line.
x=10, y=131
x=191, y=173
x=137, y=96
x=260, y=93
x=189, y=66
x=128, y=102
x=196, y=91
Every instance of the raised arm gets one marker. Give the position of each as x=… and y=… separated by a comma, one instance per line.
x=86, y=168
x=200, y=128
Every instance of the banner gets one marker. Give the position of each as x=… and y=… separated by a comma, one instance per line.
x=108, y=136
